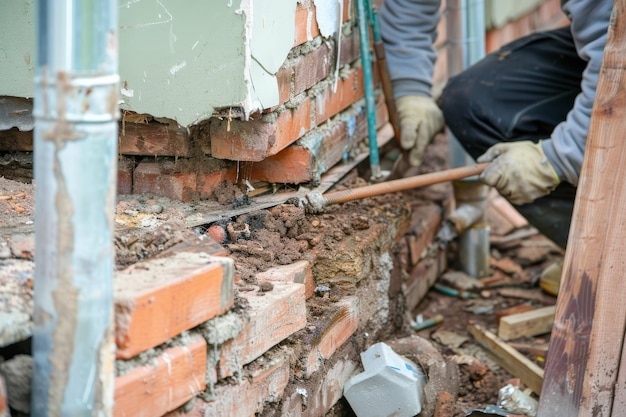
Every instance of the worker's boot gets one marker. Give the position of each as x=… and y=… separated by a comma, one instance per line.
x=550, y=279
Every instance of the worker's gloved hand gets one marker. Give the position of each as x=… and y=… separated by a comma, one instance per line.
x=519, y=170
x=420, y=120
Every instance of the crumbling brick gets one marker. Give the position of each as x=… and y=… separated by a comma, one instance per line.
x=246, y=398
x=299, y=272
x=158, y=299
x=153, y=138
x=163, y=384
x=271, y=318
x=150, y=179
x=254, y=140
x=339, y=328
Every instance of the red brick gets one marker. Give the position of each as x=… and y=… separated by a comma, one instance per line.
x=255, y=140
x=271, y=318
x=350, y=49
x=158, y=299
x=247, y=398
x=284, y=77
x=305, y=160
x=425, y=223
x=207, y=183
x=321, y=393
x=4, y=402
x=125, y=168
x=153, y=139
x=328, y=103
x=311, y=68
x=293, y=165
x=306, y=23
x=400, y=268
x=333, y=333
x=422, y=277
x=299, y=272
x=319, y=150
x=348, y=10
x=149, y=179
x=163, y=384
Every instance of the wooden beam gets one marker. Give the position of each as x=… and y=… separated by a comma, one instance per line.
x=508, y=358
x=528, y=323
x=584, y=376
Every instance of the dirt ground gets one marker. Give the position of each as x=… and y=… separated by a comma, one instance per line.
x=285, y=233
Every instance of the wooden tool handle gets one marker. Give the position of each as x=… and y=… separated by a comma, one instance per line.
x=403, y=184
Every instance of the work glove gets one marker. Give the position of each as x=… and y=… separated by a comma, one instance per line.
x=420, y=120
x=519, y=170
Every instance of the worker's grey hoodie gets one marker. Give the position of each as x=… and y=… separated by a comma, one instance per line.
x=408, y=28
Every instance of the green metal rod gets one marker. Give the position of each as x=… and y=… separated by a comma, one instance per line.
x=366, y=61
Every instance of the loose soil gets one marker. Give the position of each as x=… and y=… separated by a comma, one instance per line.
x=147, y=226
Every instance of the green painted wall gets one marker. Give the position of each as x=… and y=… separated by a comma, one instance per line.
x=179, y=59
x=182, y=59
x=499, y=12
x=17, y=47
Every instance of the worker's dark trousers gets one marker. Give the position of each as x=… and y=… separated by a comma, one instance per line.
x=520, y=92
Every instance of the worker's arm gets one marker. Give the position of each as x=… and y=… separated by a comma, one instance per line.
x=409, y=30
x=565, y=148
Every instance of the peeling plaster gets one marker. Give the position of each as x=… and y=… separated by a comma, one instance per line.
x=328, y=14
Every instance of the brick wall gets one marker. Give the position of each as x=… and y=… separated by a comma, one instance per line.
x=318, y=119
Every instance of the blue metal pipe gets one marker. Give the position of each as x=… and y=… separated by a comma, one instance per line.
x=75, y=142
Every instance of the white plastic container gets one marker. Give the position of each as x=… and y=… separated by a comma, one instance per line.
x=390, y=385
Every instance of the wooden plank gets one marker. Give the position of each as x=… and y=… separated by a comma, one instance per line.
x=583, y=369
x=529, y=323
x=508, y=358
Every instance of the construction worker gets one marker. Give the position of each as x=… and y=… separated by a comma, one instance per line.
x=524, y=108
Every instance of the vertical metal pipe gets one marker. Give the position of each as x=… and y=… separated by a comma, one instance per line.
x=370, y=104
x=465, y=29
x=473, y=31
x=75, y=141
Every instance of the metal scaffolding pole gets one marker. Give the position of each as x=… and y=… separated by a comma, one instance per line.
x=75, y=142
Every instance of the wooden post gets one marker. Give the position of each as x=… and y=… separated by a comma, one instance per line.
x=583, y=375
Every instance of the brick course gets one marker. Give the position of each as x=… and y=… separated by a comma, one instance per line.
x=158, y=299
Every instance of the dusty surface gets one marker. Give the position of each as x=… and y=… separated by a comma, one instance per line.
x=283, y=234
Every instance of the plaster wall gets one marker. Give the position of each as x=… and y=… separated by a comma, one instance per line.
x=499, y=12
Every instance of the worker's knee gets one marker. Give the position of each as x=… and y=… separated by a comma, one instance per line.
x=464, y=113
